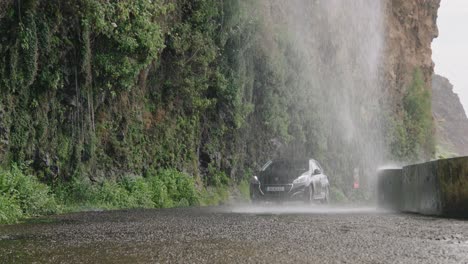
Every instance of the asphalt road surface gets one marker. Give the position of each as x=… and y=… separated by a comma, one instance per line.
x=237, y=234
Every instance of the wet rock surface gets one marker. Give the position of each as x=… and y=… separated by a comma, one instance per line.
x=289, y=234
x=451, y=120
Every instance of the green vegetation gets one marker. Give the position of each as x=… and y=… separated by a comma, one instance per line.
x=244, y=190
x=136, y=103
x=337, y=196
x=23, y=196
x=167, y=188
x=414, y=133
x=94, y=92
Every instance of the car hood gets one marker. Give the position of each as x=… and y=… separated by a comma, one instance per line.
x=278, y=177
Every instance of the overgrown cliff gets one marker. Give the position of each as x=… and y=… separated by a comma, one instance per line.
x=410, y=28
x=103, y=90
x=450, y=117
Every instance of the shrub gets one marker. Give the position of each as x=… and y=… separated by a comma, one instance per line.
x=163, y=189
x=210, y=196
x=77, y=191
x=215, y=177
x=160, y=196
x=112, y=195
x=23, y=196
x=140, y=192
x=337, y=196
x=179, y=186
x=10, y=210
x=244, y=190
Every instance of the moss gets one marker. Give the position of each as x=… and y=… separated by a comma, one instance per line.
x=28, y=42
x=452, y=175
x=413, y=133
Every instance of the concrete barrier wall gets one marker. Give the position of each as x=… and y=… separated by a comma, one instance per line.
x=389, y=188
x=421, y=189
x=453, y=180
x=433, y=188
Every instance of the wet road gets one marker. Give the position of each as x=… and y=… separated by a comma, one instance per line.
x=288, y=234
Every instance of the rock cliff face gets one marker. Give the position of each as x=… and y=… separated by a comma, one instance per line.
x=450, y=118
x=410, y=28
x=217, y=86
x=4, y=6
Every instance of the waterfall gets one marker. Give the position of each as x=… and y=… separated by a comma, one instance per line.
x=341, y=44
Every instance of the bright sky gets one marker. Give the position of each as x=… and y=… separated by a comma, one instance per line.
x=450, y=49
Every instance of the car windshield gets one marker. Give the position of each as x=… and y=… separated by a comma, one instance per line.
x=296, y=167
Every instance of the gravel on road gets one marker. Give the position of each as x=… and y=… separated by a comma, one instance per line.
x=237, y=234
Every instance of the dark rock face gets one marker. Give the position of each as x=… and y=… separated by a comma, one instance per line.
x=84, y=127
x=450, y=118
x=4, y=132
x=410, y=28
x=4, y=6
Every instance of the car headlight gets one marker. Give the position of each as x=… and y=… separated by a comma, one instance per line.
x=254, y=179
x=301, y=179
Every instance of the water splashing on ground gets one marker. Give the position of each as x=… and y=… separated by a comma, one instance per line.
x=297, y=208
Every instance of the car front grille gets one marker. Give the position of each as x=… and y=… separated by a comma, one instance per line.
x=276, y=180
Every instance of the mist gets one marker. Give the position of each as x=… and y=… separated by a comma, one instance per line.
x=338, y=46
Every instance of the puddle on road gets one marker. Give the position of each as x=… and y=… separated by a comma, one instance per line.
x=293, y=208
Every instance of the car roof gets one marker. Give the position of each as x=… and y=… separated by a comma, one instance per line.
x=284, y=159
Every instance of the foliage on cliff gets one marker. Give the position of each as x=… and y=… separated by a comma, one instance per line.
x=92, y=85
x=93, y=92
x=413, y=137
x=22, y=195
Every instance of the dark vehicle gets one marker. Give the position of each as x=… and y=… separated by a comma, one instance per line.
x=290, y=180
